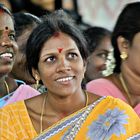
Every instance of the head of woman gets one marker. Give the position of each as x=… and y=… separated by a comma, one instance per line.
x=126, y=38
x=56, y=53
x=8, y=46
x=24, y=24
x=99, y=46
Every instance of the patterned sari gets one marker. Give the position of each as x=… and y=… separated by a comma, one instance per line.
x=106, y=119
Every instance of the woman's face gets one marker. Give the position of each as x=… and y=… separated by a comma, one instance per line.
x=61, y=67
x=19, y=69
x=8, y=46
x=97, y=60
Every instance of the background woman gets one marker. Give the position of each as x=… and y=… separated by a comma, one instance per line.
x=8, y=49
x=99, y=46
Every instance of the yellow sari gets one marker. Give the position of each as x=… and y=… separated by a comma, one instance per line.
x=106, y=119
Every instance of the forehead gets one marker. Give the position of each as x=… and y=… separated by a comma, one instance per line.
x=6, y=21
x=105, y=44
x=62, y=41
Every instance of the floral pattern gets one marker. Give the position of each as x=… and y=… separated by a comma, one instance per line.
x=112, y=122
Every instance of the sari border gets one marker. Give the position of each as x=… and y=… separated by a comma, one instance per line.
x=134, y=137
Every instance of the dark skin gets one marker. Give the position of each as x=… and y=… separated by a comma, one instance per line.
x=51, y=114
x=62, y=73
x=8, y=49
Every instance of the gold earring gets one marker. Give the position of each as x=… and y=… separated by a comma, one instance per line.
x=37, y=82
x=123, y=55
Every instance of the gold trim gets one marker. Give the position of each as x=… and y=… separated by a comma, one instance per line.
x=7, y=87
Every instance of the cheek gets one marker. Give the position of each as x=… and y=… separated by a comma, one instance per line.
x=15, y=47
x=98, y=61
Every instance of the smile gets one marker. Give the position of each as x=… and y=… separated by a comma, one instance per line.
x=6, y=55
x=65, y=79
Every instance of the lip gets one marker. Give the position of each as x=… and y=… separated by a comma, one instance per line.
x=6, y=57
x=65, y=79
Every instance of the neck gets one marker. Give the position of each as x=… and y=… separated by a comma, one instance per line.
x=67, y=105
x=132, y=82
x=4, y=89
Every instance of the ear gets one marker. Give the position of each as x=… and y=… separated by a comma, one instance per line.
x=85, y=65
x=123, y=44
x=35, y=74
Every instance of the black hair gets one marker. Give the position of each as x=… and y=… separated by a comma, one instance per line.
x=127, y=25
x=94, y=36
x=58, y=21
x=24, y=20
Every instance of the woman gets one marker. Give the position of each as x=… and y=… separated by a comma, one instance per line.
x=24, y=24
x=8, y=50
x=99, y=46
x=56, y=55
x=124, y=83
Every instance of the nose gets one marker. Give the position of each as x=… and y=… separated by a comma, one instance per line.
x=6, y=42
x=63, y=65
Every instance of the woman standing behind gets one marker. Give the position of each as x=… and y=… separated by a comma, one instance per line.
x=56, y=55
x=125, y=82
x=99, y=46
x=8, y=50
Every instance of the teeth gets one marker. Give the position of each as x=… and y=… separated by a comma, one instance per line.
x=6, y=55
x=65, y=79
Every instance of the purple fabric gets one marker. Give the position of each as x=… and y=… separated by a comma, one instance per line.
x=21, y=93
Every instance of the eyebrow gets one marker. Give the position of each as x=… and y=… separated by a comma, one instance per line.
x=53, y=53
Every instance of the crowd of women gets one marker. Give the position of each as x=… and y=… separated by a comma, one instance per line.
x=51, y=86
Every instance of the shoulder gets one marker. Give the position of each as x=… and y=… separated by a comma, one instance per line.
x=103, y=81
x=104, y=86
x=34, y=104
x=11, y=110
x=116, y=105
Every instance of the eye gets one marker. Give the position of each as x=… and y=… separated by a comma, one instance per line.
x=103, y=55
x=72, y=55
x=50, y=59
x=12, y=36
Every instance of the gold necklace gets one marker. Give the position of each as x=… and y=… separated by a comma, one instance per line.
x=125, y=88
x=7, y=87
x=43, y=105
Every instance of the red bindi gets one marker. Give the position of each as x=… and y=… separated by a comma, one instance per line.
x=60, y=50
x=56, y=34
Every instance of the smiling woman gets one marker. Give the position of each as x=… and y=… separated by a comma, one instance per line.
x=8, y=49
x=56, y=54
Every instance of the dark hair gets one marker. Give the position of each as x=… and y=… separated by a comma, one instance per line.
x=127, y=25
x=58, y=21
x=25, y=20
x=94, y=36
